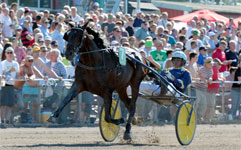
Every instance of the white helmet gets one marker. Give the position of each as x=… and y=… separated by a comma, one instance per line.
x=179, y=54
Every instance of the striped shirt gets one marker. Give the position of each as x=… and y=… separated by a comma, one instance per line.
x=24, y=39
x=204, y=74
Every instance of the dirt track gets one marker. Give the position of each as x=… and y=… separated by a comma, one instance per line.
x=207, y=137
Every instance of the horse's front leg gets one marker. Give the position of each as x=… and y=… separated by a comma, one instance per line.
x=73, y=92
x=132, y=110
x=107, y=105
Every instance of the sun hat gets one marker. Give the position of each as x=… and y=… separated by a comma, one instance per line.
x=208, y=60
x=9, y=49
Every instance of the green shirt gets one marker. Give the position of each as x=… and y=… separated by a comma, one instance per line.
x=159, y=56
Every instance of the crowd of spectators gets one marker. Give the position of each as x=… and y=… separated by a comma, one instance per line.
x=32, y=46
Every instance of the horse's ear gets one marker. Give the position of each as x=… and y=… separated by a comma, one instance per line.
x=85, y=25
x=66, y=36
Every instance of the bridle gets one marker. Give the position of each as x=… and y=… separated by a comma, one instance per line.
x=77, y=52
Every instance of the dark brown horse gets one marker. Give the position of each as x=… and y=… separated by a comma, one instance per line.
x=99, y=72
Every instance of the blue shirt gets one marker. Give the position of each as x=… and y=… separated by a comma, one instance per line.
x=141, y=34
x=182, y=78
x=45, y=31
x=137, y=22
x=201, y=59
x=58, y=36
x=171, y=40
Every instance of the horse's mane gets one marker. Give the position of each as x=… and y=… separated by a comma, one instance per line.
x=97, y=38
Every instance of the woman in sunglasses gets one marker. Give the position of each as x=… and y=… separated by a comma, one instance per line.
x=10, y=68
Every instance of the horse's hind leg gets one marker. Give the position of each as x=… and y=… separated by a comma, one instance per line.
x=107, y=105
x=73, y=92
x=132, y=109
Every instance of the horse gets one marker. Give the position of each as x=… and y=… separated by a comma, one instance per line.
x=99, y=72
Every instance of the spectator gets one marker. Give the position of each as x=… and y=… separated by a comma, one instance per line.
x=47, y=41
x=58, y=36
x=213, y=41
x=44, y=27
x=168, y=63
x=124, y=33
x=129, y=26
x=190, y=28
x=219, y=53
x=147, y=49
x=235, y=92
x=43, y=54
x=39, y=64
x=195, y=36
x=40, y=42
x=59, y=69
x=142, y=32
x=7, y=24
x=18, y=45
x=26, y=36
x=9, y=69
x=163, y=21
x=29, y=88
x=159, y=54
x=54, y=44
x=108, y=26
x=132, y=42
x=212, y=90
x=205, y=74
x=231, y=54
x=75, y=17
x=202, y=56
x=116, y=36
x=193, y=69
x=138, y=21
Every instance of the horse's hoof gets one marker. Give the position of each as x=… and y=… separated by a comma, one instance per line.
x=127, y=136
x=122, y=120
x=52, y=119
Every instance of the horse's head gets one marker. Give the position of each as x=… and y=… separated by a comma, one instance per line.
x=75, y=38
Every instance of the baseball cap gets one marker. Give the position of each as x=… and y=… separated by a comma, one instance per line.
x=212, y=34
x=36, y=49
x=148, y=43
x=28, y=57
x=196, y=32
x=48, y=38
x=138, y=11
x=114, y=42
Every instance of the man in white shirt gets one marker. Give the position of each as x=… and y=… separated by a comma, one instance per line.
x=75, y=17
x=7, y=24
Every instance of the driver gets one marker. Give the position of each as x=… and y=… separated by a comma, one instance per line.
x=178, y=75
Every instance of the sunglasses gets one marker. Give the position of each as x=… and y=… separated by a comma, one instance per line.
x=9, y=52
x=118, y=31
x=30, y=60
x=44, y=51
x=176, y=59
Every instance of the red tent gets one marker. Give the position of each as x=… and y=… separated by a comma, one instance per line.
x=205, y=13
x=236, y=20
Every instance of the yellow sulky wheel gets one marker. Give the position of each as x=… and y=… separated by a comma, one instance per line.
x=184, y=131
x=109, y=131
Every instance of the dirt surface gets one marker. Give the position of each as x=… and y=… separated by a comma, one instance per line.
x=207, y=137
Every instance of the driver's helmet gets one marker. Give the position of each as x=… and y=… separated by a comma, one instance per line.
x=180, y=54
